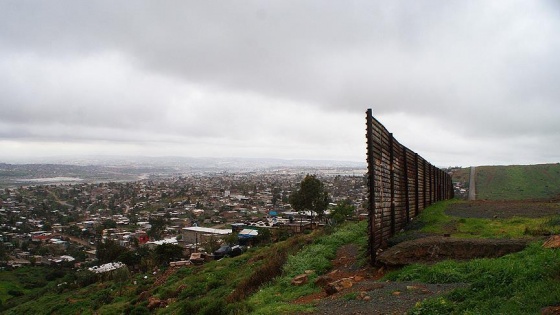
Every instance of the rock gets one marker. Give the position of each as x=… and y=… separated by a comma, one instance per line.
x=551, y=310
x=338, y=286
x=346, y=283
x=322, y=281
x=552, y=242
x=397, y=293
x=144, y=295
x=367, y=298
x=362, y=295
x=154, y=303
x=358, y=278
x=300, y=280
x=330, y=289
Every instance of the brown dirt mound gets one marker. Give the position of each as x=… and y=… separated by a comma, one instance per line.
x=438, y=248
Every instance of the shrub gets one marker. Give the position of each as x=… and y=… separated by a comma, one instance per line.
x=350, y=296
x=268, y=270
x=16, y=293
x=140, y=310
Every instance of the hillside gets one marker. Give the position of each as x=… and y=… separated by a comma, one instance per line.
x=260, y=281
x=237, y=285
x=518, y=182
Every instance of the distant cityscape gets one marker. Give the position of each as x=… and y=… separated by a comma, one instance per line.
x=59, y=213
x=56, y=170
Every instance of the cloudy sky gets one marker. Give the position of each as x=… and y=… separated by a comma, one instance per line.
x=459, y=82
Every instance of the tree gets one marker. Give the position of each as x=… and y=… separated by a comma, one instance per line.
x=310, y=196
x=158, y=227
x=108, y=251
x=167, y=252
x=342, y=211
x=109, y=224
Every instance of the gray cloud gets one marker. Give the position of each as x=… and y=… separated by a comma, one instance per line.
x=287, y=78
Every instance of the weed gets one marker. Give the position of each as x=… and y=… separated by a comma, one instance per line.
x=435, y=306
x=350, y=296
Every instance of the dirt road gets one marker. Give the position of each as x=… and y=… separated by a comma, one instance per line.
x=472, y=185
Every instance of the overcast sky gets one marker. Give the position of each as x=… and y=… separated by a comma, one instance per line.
x=460, y=82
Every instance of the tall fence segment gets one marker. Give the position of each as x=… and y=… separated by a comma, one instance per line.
x=400, y=185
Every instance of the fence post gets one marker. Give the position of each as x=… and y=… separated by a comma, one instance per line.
x=406, y=185
x=392, y=181
x=416, y=188
x=425, y=186
x=438, y=177
x=371, y=187
x=431, y=180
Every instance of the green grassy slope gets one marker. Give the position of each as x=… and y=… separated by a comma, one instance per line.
x=518, y=182
x=520, y=283
x=257, y=282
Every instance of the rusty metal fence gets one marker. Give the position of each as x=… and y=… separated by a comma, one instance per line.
x=400, y=182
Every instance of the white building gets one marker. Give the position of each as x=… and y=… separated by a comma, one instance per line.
x=199, y=235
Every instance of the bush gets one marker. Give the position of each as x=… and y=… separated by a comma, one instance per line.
x=271, y=268
x=15, y=293
x=85, y=278
x=55, y=275
x=102, y=298
x=140, y=310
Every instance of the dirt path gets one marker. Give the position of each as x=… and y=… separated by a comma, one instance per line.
x=382, y=297
x=472, y=184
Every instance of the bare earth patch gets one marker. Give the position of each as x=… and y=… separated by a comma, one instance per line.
x=437, y=248
x=368, y=295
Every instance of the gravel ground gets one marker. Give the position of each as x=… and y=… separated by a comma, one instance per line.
x=385, y=297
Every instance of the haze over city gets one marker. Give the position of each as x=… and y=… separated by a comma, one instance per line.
x=461, y=83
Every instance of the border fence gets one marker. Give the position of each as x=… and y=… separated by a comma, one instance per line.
x=400, y=185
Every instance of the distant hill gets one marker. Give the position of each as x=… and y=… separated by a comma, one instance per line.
x=518, y=182
x=187, y=163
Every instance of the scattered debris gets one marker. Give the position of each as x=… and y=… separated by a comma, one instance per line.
x=300, y=280
x=552, y=242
